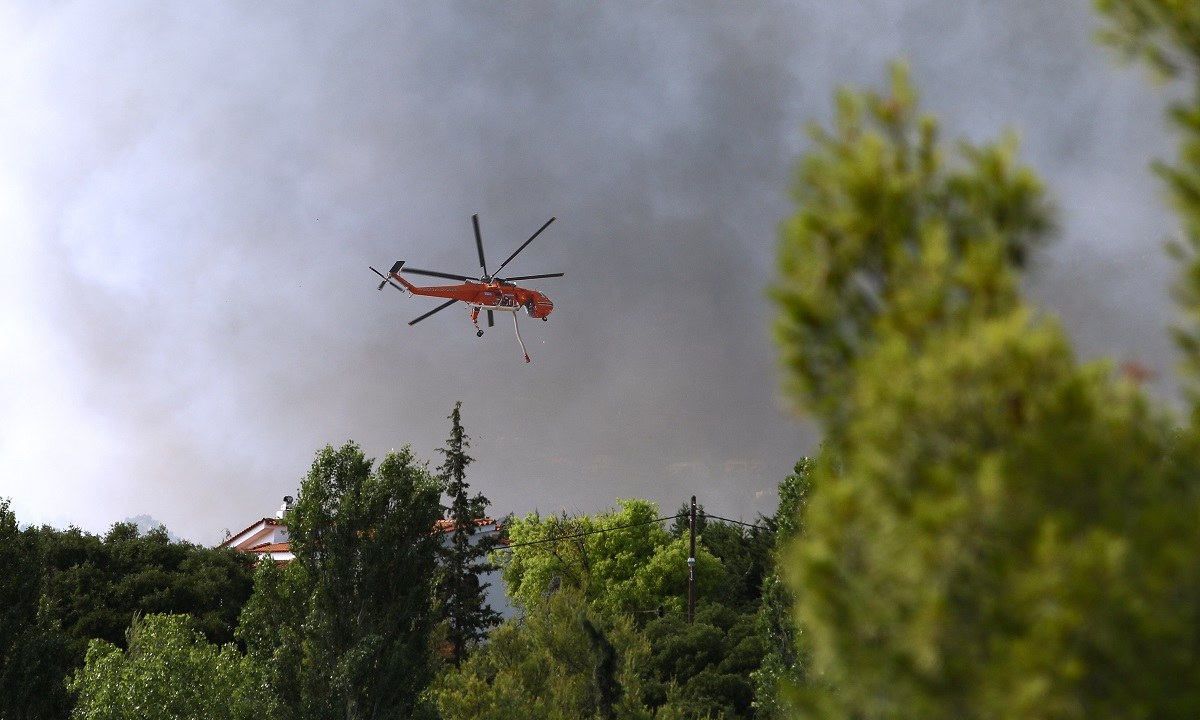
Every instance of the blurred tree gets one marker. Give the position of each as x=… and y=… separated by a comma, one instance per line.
x=463, y=558
x=168, y=670
x=994, y=530
x=353, y=613
x=1167, y=34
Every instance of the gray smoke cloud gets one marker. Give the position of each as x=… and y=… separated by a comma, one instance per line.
x=191, y=194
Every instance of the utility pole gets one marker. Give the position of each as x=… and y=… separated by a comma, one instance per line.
x=692, y=565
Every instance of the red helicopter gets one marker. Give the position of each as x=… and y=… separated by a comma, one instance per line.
x=488, y=292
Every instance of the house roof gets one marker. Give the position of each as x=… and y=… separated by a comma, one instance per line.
x=447, y=525
x=282, y=547
x=441, y=527
x=265, y=522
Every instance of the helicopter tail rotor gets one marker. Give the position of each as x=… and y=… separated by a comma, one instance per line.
x=386, y=279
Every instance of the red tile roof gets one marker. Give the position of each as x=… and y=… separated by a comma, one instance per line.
x=271, y=548
x=441, y=526
x=445, y=526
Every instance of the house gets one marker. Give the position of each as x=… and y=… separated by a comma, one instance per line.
x=268, y=539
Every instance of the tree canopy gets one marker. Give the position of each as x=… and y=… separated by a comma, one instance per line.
x=622, y=560
x=463, y=558
x=168, y=670
x=995, y=528
x=347, y=628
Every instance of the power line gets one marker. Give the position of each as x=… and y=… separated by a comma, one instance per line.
x=735, y=522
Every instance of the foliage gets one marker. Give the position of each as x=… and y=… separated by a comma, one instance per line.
x=704, y=669
x=994, y=530
x=1164, y=32
x=1167, y=34
x=744, y=552
x=170, y=671
x=564, y=659
x=272, y=629
x=95, y=585
x=745, y=555
x=354, y=611
x=69, y=587
x=33, y=650
x=783, y=663
x=892, y=238
x=461, y=595
x=622, y=560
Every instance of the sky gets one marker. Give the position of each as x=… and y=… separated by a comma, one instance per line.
x=191, y=194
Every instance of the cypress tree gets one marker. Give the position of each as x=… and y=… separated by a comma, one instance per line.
x=465, y=612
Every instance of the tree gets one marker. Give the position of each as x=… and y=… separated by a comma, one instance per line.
x=742, y=549
x=69, y=587
x=168, y=670
x=33, y=650
x=95, y=584
x=1166, y=33
x=622, y=560
x=355, y=608
x=463, y=603
x=783, y=665
x=565, y=659
x=704, y=669
x=994, y=529
x=272, y=627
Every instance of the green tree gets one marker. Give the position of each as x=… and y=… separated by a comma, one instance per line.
x=704, y=669
x=33, y=651
x=95, y=584
x=744, y=552
x=1166, y=33
x=564, y=659
x=355, y=608
x=994, y=530
x=69, y=587
x=168, y=670
x=463, y=558
x=272, y=628
x=622, y=560
x=783, y=664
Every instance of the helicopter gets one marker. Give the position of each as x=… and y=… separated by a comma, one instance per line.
x=488, y=292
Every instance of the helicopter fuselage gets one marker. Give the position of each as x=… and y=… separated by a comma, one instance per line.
x=488, y=296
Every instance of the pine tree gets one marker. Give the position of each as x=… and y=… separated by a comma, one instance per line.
x=995, y=529
x=465, y=611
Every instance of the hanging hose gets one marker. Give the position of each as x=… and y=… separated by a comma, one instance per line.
x=517, y=327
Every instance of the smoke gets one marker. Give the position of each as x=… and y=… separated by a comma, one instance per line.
x=194, y=192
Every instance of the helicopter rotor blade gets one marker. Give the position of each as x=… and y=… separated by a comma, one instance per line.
x=386, y=280
x=533, y=277
x=491, y=318
x=434, y=273
x=479, y=246
x=523, y=246
x=437, y=309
